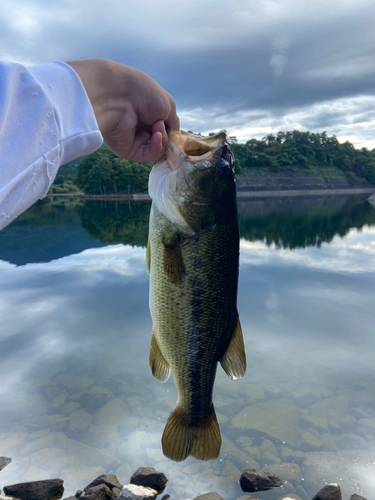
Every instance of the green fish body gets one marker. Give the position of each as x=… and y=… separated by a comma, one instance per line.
x=192, y=255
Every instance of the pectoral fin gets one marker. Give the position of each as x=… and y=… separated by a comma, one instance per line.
x=159, y=367
x=148, y=256
x=173, y=261
x=234, y=359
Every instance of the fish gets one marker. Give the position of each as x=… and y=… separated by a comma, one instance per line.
x=192, y=259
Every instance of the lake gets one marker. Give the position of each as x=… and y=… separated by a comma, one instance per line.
x=77, y=395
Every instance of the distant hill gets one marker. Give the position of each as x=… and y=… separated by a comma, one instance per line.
x=315, y=154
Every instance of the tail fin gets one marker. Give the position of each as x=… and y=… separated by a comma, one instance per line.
x=180, y=439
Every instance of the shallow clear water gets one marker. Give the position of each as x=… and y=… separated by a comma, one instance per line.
x=77, y=396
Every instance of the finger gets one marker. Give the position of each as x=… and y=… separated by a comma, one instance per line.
x=159, y=126
x=152, y=150
x=173, y=120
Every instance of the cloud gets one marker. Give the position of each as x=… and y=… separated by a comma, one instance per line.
x=351, y=119
x=354, y=254
x=272, y=57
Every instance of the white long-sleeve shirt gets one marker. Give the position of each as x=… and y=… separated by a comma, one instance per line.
x=46, y=120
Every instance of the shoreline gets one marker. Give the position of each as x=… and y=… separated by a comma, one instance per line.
x=240, y=194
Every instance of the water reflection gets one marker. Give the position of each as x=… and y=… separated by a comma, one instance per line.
x=78, y=398
x=51, y=229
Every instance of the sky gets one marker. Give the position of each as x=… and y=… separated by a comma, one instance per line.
x=252, y=67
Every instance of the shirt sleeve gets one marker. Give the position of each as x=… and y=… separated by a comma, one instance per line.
x=46, y=120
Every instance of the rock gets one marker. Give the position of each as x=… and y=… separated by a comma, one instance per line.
x=74, y=383
x=80, y=420
x=45, y=441
x=270, y=458
x=111, y=414
x=80, y=453
x=123, y=473
x=300, y=491
x=12, y=441
x=99, y=492
x=70, y=407
x=367, y=422
x=244, y=441
x=310, y=439
x=348, y=420
x=35, y=474
x=237, y=456
x=268, y=445
x=81, y=474
x=209, y=496
x=96, y=397
x=253, y=452
x=60, y=400
x=36, y=490
x=288, y=471
x=150, y=478
x=329, y=492
x=115, y=493
x=230, y=470
x=255, y=480
x=54, y=422
x=289, y=496
x=4, y=462
x=50, y=459
x=101, y=436
x=135, y=492
x=351, y=442
x=318, y=422
x=355, y=496
x=329, y=442
x=252, y=393
x=156, y=454
x=330, y=409
x=277, y=419
x=109, y=480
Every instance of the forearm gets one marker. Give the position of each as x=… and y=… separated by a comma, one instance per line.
x=46, y=120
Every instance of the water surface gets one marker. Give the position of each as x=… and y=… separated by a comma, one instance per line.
x=77, y=395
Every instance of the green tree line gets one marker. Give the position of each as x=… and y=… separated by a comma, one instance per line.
x=103, y=172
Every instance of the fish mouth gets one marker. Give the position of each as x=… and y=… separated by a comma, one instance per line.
x=167, y=178
x=184, y=146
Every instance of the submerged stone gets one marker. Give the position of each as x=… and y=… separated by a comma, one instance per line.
x=208, y=496
x=277, y=419
x=288, y=471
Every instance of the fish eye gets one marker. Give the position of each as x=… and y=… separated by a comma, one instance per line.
x=222, y=167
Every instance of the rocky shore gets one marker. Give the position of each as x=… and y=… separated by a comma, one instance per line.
x=147, y=483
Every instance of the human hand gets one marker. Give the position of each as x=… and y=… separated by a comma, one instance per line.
x=130, y=108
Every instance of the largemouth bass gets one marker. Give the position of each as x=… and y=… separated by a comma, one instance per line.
x=192, y=258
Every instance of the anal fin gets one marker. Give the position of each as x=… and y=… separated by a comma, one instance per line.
x=234, y=360
x=159, y=367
